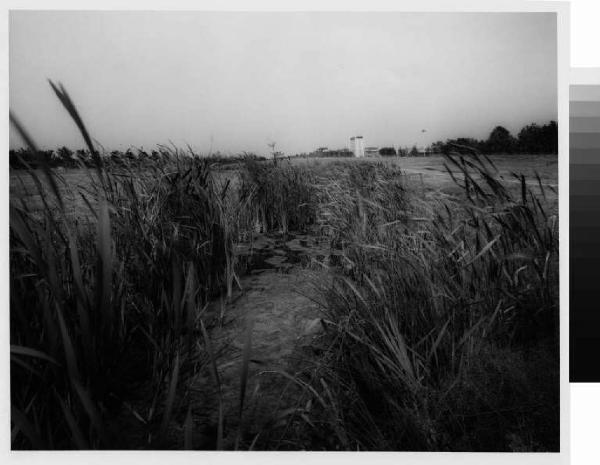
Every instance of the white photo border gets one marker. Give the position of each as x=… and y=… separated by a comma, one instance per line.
x=178, y=457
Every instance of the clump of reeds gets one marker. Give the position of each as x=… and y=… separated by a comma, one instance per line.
x=106, y=313
x=284, y=196
x=444, y=318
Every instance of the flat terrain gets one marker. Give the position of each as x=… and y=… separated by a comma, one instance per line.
x=276, y=303
x=433, y=173
x=429, y=171
x=274, y=317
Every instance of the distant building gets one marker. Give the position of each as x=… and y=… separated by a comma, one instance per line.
x=339, y=153
x=358, y=146
x=371, y=151
x=358, y=150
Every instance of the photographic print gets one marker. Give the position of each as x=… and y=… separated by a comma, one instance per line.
x=284, y=231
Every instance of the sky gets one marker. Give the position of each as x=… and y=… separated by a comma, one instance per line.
x=236, y=81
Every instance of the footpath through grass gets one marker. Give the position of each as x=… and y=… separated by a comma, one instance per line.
x=438, y=314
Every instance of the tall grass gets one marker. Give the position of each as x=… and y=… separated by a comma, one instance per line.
x=105, y=313
x=285, y=196
x=443, y=317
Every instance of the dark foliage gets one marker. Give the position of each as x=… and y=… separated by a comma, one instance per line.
x=66, y=158
x=532, y=139
x=387, y=151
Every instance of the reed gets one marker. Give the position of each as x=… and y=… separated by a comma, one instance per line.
x=443, y=316
x=284, y=196
x=104, y=310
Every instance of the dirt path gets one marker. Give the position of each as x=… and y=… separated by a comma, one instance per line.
x=277, y=305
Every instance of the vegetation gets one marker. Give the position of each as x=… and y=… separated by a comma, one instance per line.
x=65, y=157
x=100, y=314
x=440, y=315
x=284, y=195
x=387, y=151
x=532, y=139
x=445, y=320
x=442, y=319
x=108, y=314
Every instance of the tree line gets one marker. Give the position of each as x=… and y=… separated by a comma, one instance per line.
x=533, y=138
x=67, y=158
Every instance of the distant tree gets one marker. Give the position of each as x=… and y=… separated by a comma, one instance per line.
x=539, y=139
x=272, y=145
x=15, y=158
x=529, y=138
x=468, y=143
x=26, y=157
x=437, y=147
x=64, y=154
x=461, y=145
x=82, y=156
x=500, y=141
x=532, y=138
x=402, y=151
x=387, y=151
x=550, y=132
x=414, y=151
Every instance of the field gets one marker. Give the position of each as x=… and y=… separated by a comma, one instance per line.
x=428, y=173
x=198, y=261
x=305, y=304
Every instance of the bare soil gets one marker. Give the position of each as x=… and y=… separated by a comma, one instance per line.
x=278, y=309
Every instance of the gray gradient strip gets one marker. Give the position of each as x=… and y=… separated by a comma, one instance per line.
x=584, y=140
x=583, y=124
x=586, y=109
x=585, y=157
x=590, y=93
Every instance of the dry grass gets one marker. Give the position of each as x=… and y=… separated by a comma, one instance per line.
x=105, y=311
x=444, y=317
x=441, y=322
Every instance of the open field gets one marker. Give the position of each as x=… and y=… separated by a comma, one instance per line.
x=433, y=174
x=287, y=306
x=178, y=282
x=545, y=165
x=427, y=172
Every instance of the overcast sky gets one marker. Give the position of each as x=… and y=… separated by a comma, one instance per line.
x=237, y=81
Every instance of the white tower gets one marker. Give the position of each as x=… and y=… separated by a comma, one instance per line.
x=358, y=146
